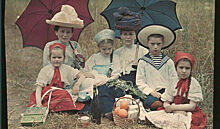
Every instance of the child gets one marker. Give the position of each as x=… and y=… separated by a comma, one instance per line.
x=180, y=100
x=104, y=63
x=128, y=22
x=104, y=66
x=64, y=22
x=155, y=69
x=52, y=80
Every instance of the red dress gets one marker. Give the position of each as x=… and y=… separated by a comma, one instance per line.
x=61, y=100
x=199, y=119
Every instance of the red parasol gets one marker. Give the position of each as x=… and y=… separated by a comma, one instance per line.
x=32, y=22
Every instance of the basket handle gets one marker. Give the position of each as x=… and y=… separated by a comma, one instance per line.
x=114, y=106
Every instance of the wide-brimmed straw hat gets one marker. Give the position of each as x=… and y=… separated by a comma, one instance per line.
x=67, y=17
x=127, y=20
x=104, y=34
x=169, y=35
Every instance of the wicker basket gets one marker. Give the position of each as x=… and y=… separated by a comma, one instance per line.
x=125, y=122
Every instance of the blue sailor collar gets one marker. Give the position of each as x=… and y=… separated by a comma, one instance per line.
x=149, y=60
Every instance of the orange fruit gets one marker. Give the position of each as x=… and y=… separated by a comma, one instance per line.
x=124, y=105
x=116, y=110
x=123, y=113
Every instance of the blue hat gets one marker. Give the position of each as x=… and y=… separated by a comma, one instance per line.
x=104, y=34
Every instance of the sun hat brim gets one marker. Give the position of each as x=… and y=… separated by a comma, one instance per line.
x=72, y=25
x=169, y=35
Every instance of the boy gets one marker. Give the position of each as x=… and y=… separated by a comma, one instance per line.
x=155, y=69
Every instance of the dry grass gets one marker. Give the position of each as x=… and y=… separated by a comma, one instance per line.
x=23, y=64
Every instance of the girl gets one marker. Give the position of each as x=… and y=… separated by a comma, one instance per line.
x=180, y=101
x=128, y=23
x=64, y=22
x=104, y=66
x=53, y=79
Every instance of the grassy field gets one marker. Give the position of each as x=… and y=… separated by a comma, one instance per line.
x=23, y=64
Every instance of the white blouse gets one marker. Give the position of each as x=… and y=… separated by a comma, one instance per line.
x=127, y=57
x=150, y=77
x=67, y=73
x=69, y=55
x=195, y=91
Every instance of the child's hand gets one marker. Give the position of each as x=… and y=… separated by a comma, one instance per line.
x=89, y=75
x=101, y=82
x=156, y=94
x=75, y=52
x=168, y=108
x=39, y=105
x=181, y=112
x=75, y=89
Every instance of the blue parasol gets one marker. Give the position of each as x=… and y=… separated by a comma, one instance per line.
x=162, y=12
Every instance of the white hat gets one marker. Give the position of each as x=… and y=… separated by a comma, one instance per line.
x=169, y=35
x=104, y=34
x=67, y=17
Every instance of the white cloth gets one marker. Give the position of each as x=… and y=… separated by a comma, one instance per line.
x=67, y=73
x=127, y=57
x=148, y=78
x=69, y=55
x=195, y=91
x=164, y=120
x=143, y=112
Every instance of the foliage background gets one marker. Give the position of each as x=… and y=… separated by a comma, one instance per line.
x=23, y=64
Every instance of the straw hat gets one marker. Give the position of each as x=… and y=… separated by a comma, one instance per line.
x=104, y=34
x=67, y=17
x=169, y=35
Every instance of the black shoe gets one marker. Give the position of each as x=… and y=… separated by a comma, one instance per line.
x=109, y=116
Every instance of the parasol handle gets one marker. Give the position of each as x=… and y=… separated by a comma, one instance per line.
x=136, y=53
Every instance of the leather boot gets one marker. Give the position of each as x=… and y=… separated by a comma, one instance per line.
x=156, y=105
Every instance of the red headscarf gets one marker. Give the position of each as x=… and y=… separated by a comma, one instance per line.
x=183, y=83
x=56, y=80
x=180, y=55
x=63, y=47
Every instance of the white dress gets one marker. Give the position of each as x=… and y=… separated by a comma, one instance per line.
x=127, y=57
x=165, y=120
x=149, y=77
